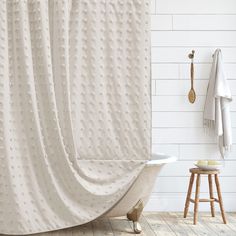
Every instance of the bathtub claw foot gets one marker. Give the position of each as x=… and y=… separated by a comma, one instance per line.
x=134, y=215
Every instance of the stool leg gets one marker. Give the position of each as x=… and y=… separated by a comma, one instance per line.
x=220, y=198
x=196, y=199
x=187, y=202
x=211, y=195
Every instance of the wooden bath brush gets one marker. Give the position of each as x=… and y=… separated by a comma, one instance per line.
x=192, y=94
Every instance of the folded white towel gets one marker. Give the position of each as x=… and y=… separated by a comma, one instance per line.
x=217, y=111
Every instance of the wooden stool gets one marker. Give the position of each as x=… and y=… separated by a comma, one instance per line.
x=200, y=172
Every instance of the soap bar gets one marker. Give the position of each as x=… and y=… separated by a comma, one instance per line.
x=212, y=162
x=202, y=163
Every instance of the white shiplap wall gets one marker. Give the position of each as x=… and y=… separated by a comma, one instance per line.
x=178, y=26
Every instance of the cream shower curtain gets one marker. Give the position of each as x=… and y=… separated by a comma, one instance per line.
x=74, y=109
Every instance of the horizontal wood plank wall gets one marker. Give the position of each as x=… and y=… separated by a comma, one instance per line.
x=177, y=28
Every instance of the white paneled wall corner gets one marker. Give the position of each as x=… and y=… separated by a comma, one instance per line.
x=177, y=28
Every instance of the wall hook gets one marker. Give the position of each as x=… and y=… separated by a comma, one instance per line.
x=192, y=94
x=191, y=55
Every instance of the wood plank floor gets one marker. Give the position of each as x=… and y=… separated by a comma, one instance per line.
x=155, y=224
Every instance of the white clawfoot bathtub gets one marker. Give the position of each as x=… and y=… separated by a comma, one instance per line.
x=141, y=190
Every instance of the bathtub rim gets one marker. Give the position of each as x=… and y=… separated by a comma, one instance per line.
x=161, y=158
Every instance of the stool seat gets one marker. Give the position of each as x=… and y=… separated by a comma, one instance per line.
x=198, y=172
x=203, y=172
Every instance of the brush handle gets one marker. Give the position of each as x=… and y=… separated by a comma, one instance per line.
x=192, y=74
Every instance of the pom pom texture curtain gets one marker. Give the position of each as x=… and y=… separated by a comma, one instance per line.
x=74, y=109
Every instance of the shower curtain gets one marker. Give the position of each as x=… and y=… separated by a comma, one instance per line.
x=74, y=109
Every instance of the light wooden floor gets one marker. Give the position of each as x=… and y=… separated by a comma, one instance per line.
x=155, y=224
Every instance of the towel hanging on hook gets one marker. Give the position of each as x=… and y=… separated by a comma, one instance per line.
x=217, y=111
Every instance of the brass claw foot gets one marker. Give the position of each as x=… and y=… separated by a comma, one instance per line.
x=134, y=215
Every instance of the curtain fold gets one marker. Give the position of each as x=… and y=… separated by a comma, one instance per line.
x=74, y=109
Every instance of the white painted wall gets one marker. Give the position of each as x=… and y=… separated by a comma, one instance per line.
x=178, y=26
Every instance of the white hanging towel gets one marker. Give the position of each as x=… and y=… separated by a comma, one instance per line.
x=217, y=106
